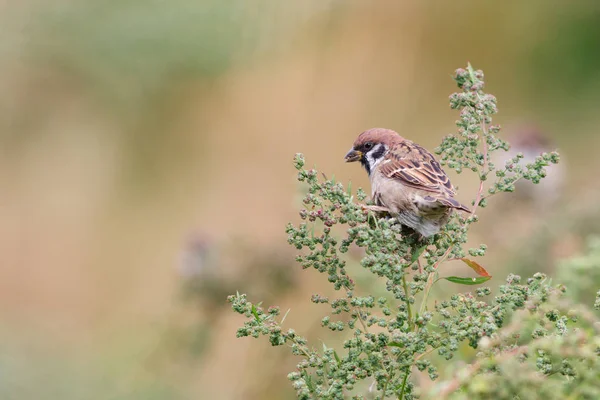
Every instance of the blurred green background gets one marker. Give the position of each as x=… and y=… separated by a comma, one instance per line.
x=145, y=168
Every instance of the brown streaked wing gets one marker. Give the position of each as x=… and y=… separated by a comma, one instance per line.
x=448, y=202
x=416, y=167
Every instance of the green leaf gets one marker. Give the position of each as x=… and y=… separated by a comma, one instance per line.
x=471, y=71
x=337, y=358
x=417, y=253
x=255, y=312
x=476, y=267
x=468, y=281
x=394, y=344
x=309, y=382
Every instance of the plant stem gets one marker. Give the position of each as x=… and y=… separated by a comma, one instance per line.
x=472, y=369
x=404, y=384
x=384, y=388
x=411, y=323
x=362, y=322
x=426, y=293
x=301, y=348
x=364, y=325
x=430, y=279
x=483, y=168
x=424, y=354
x=478, y=198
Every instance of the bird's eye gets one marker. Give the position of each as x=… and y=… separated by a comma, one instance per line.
x=368, y=146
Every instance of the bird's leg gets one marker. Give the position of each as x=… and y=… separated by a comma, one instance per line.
x=377, y=209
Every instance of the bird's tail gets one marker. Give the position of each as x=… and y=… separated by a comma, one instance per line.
x=450, y=202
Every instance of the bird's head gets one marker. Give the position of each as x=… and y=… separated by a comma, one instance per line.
x=371, y=146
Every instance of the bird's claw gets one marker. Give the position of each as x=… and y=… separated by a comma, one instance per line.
x=375, y=209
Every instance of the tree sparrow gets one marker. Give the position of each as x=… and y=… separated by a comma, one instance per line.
x=406, y=180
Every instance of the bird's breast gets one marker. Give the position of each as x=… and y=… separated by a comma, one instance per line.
x=390, y=193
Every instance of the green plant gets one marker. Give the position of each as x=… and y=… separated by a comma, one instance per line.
x=549, y=349
x=390, y=337
x=581, y=274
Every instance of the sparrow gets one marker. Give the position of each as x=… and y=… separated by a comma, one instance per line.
x=406, y=180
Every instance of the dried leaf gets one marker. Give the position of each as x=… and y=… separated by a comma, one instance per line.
x=476, y=267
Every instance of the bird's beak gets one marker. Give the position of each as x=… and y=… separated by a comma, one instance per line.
x=353, y=155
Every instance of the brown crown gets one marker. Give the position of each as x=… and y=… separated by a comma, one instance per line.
x=378, y=135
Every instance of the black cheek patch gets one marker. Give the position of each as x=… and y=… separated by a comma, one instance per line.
x=379, y=152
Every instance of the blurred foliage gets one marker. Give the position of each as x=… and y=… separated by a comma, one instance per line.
x=581, y=273
x=549, y=350
x=568, y=57
x=138, y=61
x=567, y=227
x=569, y=358
x=205, y=280
x=131, y=50
x=206, y=284
x=30, y=372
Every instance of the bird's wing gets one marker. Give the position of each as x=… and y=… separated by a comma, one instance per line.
x=415, y=167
